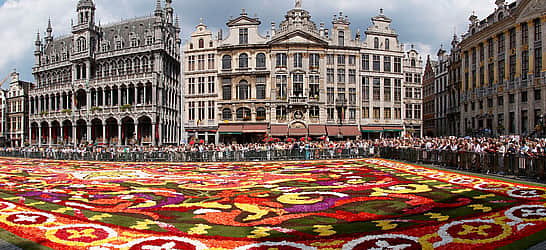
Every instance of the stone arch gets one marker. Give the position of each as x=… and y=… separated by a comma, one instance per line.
x=145, y=129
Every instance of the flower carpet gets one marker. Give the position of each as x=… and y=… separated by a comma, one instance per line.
x=349, y=204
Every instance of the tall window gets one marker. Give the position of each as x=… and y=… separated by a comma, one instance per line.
x=341, y=38
x=512, y=34
x=330, y=59
x=330, y=75
x=524, y=64
x=201, y=62
x=341, y=75
x=243, y=90
x=211, y=61
x=376, y=43
x=524, y=33
x=538, y=30
x=352, y=96
x=376, y=89
x=191, y=63
x=314, y=61
x=281, y=60
x=201, y=113
x=226, y=89
x=365, y=89
x=387, y=44
x=260, y=87
x=490, y=47
x=282, y=82
x=387, y=90
x=341, y=59
x=211, y=84
x=409, y=111
x=201, y=85
x=298, y=60
x=314, y=86
x=330, y=113
x=500, y=71
x=501, y=44
x=397, y=90
x=512, y=69
x=260, y=61
x=538, y=61
x=281, y=112
x=365, y=62
x=397, y=65
x=352, y=76
x=387, y=64
x=191, y=86
x=376, y=63
x=201, y=43
x=314, y=112
x=330, y=95
x=243, y=36
x=191, y=111
x=298, y=85
x=226, y=62
x=243, y=61
x=417, y=109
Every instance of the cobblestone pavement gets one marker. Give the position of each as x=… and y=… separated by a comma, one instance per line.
x=4, y=245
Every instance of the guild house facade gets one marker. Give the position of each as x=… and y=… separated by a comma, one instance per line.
x=300, y=79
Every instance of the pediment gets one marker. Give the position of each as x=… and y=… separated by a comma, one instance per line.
x=243, y=20
x=298, y=37
x=532, y=8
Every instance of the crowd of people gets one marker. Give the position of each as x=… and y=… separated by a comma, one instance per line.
x=502, y=145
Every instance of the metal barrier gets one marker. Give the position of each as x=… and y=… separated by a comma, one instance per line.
x=518, y=165
x=200, y=156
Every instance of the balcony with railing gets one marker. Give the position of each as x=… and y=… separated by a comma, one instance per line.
x=298, y=100
x=341, y=102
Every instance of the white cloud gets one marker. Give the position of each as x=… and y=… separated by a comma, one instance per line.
x=425, y=23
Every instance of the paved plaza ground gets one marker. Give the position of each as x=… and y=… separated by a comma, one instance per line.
x=338, y=204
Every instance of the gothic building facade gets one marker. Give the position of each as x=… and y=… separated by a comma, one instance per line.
x=300, y=79
x=113, y=84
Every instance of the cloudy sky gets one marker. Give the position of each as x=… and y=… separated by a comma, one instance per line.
x=425, y=23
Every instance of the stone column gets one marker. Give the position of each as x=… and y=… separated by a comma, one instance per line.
x=119, y=97
x=74, y=134
x=119, y=134
x=104, y=139
x=160, y=143
x=136, y=131
x=50, y=135
x=39, y=135
x=145, y=94
x=88, y=136
x=136, y=94
x=62, y=132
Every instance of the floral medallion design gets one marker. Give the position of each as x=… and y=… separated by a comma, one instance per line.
x=338, y=204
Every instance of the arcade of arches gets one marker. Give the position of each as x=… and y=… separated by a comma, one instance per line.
x=111, y=131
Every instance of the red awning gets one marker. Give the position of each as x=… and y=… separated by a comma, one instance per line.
x=298, y=131
x=230, y=128
x=333, y=130
x=350, y=131
x=279, y=130
x=371, y=129
x=255, y=128
x=317, y=130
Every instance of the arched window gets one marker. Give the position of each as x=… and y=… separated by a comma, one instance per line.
x=376, y=43
x=226, y=62
x=136, y=64
x=201, y=43
x=260, y=114
x=413, y=62
x=121, y=67
x=501, y=16
x=226, y=114
x=243, y=61
x=129, y=66
x=260, y=61
x=387, y=44
x=113, y=69
x=243, y=114
x=242, y=90
x=191, y=45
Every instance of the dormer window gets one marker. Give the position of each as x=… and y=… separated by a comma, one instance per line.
x=387, y=44
x=134, y=42
x=201, y=43
x=243, y=36
x=149, y=40
x=118, y=45
x=341, y=38
x=376, y=43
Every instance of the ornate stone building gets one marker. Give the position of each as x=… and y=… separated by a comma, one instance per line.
x=504, y=69
x=298, y=80
x=114, y=84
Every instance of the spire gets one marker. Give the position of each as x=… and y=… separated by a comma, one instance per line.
x=177, y=22
x=38, y=40
x=49, y=29
x=158, y=11
x=298, y=4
